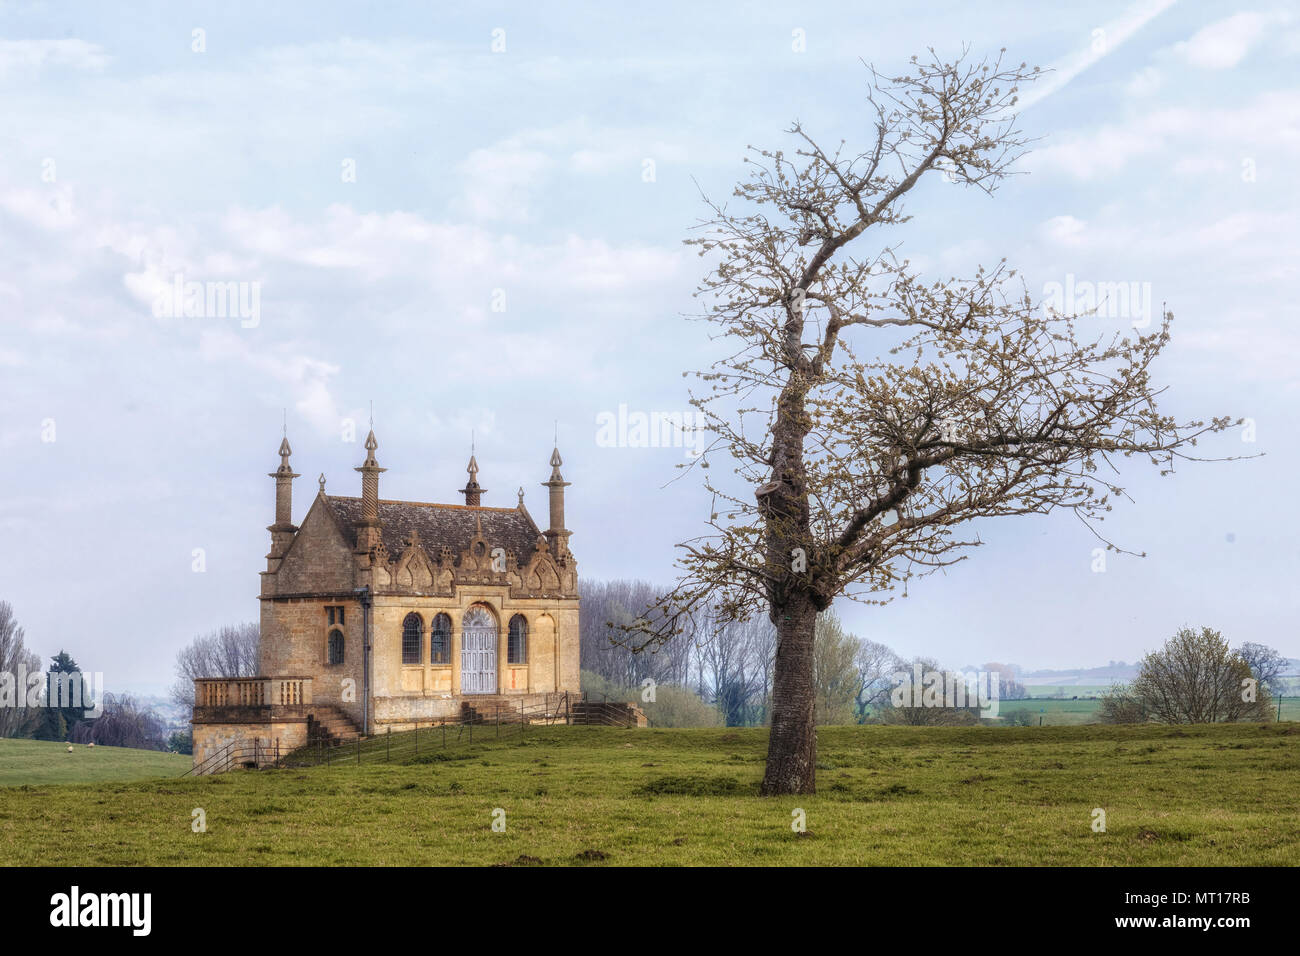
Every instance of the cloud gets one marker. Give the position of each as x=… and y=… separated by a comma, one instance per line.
x=1145, y=82
x=33, y=55
x=306, y=377
x=1269, y=122
x=1225, y=43
x=498, y=181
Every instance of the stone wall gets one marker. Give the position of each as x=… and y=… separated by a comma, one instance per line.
x=210, y=738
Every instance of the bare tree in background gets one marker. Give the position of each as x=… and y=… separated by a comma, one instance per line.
x=14, y=658
x=867, y=412
x=230, y=651
x=731, y=655
x=1266, y=665
x=1008, y=687
x=124, y=723
x=875, y=666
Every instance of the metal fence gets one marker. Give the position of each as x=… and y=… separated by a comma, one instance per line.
x=493, y=722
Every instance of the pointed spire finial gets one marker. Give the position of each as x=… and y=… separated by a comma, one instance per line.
x=321, y=479
x=521, y=496
x=371, y=463
x=284, y=453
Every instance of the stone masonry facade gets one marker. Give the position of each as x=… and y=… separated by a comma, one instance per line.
x=395, y=613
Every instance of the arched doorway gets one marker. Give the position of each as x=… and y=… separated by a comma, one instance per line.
x=478, y=652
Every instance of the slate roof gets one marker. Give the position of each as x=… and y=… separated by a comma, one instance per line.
x=438, y=525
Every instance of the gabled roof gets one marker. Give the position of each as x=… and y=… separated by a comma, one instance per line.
x=439, y=525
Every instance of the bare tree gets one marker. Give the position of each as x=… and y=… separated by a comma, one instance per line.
x=229, y=651
x=1196, y=679
x=15, y=658
x=1008, y=687
x=1266, y=665
x=123, y=723
x=875, y=665
x=731, y=658
x=1119, y=705
x=608, y=605
x=856, y=469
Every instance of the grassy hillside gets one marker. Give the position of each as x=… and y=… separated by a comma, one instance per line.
x=1214, y=795
x=44, y=761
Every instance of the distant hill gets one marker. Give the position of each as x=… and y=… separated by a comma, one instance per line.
x=1114, y=672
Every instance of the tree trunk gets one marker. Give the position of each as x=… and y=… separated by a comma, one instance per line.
x=792, y=746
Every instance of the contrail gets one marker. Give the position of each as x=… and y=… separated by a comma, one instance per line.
x=1112, y=37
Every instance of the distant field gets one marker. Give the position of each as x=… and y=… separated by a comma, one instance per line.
x=43, y=761
x=1057, y=712
x=1068, y=690
x=1054, y=712
x=1206, y=795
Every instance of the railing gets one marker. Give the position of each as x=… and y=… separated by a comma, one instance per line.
x=490, y=721
x=238, y=753
x=251, y=691
x=495, y=720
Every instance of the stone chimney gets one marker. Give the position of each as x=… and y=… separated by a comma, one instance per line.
x=556, y=535
x=368, y=528
x=283, y=530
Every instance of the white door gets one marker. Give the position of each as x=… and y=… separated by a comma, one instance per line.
x=478, y=653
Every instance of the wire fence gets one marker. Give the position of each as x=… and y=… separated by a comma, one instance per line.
x=494, y=723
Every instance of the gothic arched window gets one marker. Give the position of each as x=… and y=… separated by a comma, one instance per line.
x=440, y=640
x=412, y=631
x=517, y=648
x=336, y=646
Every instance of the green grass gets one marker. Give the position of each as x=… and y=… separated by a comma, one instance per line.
x=1213, y=795
x=45, y=761
x=1064, y=712
x=1055, y=712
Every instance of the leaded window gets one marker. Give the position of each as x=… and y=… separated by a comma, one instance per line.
x=412, y=631
x=440, y=640
x=517, y=647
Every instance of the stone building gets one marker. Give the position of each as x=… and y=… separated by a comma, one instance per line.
x=381, y=614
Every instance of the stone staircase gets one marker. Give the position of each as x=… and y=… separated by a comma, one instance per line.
x=510, y=708
x=330, y=724
x=607, y=713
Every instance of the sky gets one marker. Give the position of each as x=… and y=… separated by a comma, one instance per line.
x=473, y=219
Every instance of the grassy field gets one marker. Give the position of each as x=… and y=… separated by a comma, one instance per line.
x=1214, y=795
x=1064, y=712
x=1055, y=712
x=44, y=761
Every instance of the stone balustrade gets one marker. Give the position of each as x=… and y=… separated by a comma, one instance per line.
x=217, y=699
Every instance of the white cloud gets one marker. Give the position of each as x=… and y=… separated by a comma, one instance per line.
x=498, y=181
x=1271, y=121
x=1145, y=82
x=1223, y=44
x=19, y=55
x=1066, y=230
